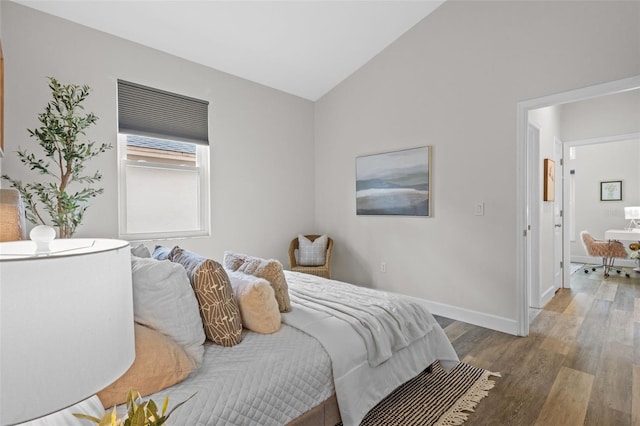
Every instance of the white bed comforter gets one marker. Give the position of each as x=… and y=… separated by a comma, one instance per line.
x=376, y=340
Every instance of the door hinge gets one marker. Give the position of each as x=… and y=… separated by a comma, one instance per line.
x=561, y=264
x=561, y=213
x=562, y=161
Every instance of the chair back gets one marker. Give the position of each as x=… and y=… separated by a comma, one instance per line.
x=598, y=248
x=12, y=216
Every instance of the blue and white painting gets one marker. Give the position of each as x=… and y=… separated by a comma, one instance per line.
x=393, y=183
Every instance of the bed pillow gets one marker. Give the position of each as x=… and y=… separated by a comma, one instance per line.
x=271, y=270
x=257, y=302
x=164, y=300
x=140, y=251
x=161, y=252
x=160, y=362
x=312, y=253
x=218, y=307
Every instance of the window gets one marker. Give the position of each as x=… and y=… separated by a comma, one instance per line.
x=163, y=164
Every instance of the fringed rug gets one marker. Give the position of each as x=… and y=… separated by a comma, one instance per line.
x=437, y=398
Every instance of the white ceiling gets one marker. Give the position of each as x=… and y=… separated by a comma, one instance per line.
x=300, y=47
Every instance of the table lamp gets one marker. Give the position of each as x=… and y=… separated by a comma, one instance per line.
x=66, y=323
x=632, y=214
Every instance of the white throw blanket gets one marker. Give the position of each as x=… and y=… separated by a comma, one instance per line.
x=386, y=322
x=359, y=385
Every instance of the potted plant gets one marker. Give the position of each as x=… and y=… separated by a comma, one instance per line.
x=65, y=156
x=139, y=413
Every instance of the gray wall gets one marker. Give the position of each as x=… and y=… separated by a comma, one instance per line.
x=261, y=139
x=453, y=82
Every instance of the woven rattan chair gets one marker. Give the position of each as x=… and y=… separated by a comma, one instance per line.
x=607, y=250
x=322, y=270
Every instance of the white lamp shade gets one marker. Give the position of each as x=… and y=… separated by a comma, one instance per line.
x=632, y=212
x=66, y=324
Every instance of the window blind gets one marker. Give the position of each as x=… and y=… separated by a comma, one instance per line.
x=146, y=111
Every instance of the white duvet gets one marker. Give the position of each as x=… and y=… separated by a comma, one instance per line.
x=376, y=340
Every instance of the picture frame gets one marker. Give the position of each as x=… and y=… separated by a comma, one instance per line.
x=549, y=187
x=611, y=190
x=396, y=183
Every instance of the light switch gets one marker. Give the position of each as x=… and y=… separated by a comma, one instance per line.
x=479, y=209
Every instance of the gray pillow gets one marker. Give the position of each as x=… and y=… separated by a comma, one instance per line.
x=164, y=300
x=140, y=250
x=312, y=253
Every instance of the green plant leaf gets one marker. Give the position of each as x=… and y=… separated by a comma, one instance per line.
x=87, y=417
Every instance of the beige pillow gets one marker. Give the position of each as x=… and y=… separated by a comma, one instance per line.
x=218, y=307
x=160, y=362
x=271, y=270
x=257, y=302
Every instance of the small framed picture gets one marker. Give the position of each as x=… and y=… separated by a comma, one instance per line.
x=611, y=190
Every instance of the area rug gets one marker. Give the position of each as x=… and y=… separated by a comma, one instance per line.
x=437, y=398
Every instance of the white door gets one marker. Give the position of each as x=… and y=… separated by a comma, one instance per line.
x=558, y=217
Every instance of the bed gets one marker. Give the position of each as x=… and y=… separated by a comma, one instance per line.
x=316, y=370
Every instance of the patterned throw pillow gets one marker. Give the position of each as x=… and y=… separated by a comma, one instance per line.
x=218, y=306
x=271, y=270
x=312, y=253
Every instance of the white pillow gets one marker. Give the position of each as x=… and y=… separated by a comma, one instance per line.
x=312, y=253
x=164, y=300
x=257, y=301
x=91, y=407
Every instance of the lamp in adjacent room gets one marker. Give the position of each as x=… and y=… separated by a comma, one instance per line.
x=632, y=214
x=66, y=323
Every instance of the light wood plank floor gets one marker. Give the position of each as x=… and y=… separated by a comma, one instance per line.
x=579, y=365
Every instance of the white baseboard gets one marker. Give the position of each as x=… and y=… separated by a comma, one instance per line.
x=481, y=319
x=547, y=295
x=627, y=263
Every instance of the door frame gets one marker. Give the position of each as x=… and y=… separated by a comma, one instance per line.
x=561, y=256
x=526, y=201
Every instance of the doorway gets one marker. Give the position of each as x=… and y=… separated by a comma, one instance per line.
x=528, y=246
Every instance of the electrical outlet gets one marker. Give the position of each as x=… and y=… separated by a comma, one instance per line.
x=383, y=267
x=479, y=209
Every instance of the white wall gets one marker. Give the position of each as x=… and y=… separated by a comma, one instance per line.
x=261, y=139
x=548, y=121
x=602, y=117
x=594, y=164
x=617, y=114
x=453, y=82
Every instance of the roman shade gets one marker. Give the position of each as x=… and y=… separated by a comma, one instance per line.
x=146, y=111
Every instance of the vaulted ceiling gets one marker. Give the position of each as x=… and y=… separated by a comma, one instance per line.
x=300, y=47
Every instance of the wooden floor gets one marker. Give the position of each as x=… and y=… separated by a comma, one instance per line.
x=579, y=365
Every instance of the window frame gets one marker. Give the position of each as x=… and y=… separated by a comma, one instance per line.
x=203, y=169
